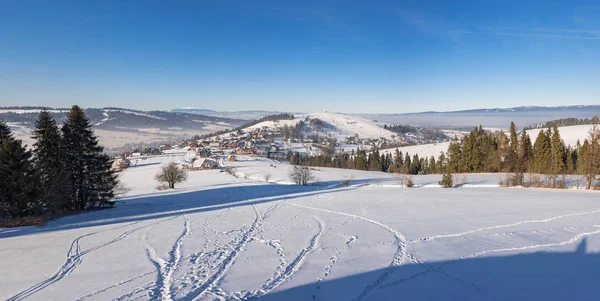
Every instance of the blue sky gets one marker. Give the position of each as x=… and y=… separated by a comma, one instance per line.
x=348, y=56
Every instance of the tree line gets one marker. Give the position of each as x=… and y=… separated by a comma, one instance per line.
x=483, y=152
x=561, y=122
x=65, y=171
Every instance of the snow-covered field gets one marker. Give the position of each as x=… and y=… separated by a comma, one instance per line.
x=349, y=125
x=227, y=238
x=569, y=134
x=423, y=150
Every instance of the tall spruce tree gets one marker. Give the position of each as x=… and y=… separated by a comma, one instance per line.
x=525, y=153
x=5, y=131
x=18, y=187
x=542, y=153
x=92, y=182
x=588, y=160
x=48, y=163
x=557, y=153
x=512, y=157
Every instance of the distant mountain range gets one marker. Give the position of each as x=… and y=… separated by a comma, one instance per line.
x=248, y=115
x=495, y=117
x=522, y=109
x=120, y=119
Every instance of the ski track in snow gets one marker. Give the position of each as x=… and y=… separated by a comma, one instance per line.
x=290, y=269
x=167, y=267
x=400, y=256
x=574, y=239
x=546, y=220
x=206, y=268
x=74, y=259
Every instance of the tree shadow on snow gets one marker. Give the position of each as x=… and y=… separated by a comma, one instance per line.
x=535, y=276
x=171, y=204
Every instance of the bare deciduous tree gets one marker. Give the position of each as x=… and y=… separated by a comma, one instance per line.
x=301, y=175
x=405, y=180
x=171, y=174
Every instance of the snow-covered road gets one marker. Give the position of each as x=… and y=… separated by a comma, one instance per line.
x=230, y=238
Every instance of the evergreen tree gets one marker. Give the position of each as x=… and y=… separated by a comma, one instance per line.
x=441, y=162
x=589, y=155
x=557, y=153
x=454, y=156
x=569, y=161
x=525, y=153
x=407, y=164
x=88, y=169
x=432, y=165
x=542, y=153
x=18, y=187
x=415, y=165
x=512, y=157
x=47, y=161
x=360, y=162
x=5, y=131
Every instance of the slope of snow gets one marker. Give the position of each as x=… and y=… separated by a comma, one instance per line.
x=219, y=237
x=25, y=111
x=133, y=113
x=349, y=125
x=423, y=150
x=278, y=124
x=569, y=134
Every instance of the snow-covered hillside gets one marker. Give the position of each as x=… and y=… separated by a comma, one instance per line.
x=569, y=134
x=350, y=125
x=219, y=237
x=423, y=150
x=278, y=124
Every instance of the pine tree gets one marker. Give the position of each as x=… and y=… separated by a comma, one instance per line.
x=92, y=182
x=525, y=153
x=454, y=156
x=407, y=164
x=47, y=161
x=542, y=153
x=432, y=165
x=18, y=187
x=415, y=165
x=512, y=157
x=557, y=153
x=589, y=155
x=5, y=131
x=569, y=162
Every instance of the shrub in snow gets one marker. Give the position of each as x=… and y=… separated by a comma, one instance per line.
x=301, y=175
x=447, y=181
x=346, y=182
x=171, y=174
x=405, y=180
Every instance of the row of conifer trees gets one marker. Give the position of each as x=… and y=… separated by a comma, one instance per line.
x=65, y=171
x=482, y=151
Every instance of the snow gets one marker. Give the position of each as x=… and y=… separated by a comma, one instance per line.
x=423, y=150
x=349, y=125
x=278, y=124
x=26, y=111
x=133, y=113
x=220, y=237
x=569, y=134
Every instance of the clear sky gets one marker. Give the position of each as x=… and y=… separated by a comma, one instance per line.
x=349, y=56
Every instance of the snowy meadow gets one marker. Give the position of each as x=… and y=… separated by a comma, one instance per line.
x=224, y=237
